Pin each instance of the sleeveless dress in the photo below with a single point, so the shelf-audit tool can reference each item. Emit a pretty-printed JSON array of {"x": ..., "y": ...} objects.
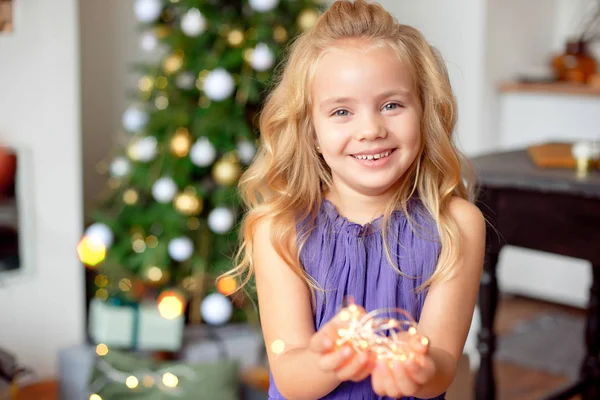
[{"x": 348, "y": 259}]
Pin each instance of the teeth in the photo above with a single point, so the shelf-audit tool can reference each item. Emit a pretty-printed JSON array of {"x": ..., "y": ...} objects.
[{"x": 373, "y": 156}]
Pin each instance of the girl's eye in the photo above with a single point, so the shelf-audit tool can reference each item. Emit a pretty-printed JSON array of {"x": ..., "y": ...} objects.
[
  {"x": 391, "y": 106},
  {"x": 341, "y": 113}
]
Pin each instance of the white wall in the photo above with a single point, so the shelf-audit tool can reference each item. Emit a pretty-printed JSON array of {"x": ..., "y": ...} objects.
[
  {"x": 42, "y": 311},
  {"x": 511, "y": 51},
  {"x": 107, "y": 54}
]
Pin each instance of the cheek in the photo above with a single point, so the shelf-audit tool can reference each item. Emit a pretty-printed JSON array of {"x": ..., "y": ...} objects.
[
  {"x": 412, "y": 136},
  {"x": 334, "y": 146},
  {"x": 332, "y": 140}
]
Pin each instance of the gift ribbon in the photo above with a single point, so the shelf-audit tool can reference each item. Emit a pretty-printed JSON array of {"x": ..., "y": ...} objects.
[{"x": 119, "y": 302}]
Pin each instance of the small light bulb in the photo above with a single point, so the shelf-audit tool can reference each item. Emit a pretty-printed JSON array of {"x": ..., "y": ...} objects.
[
  {"x": 102, "y": 349},
  {"x": 170, "y": 380},
  {"x": 132, "y": 382}
]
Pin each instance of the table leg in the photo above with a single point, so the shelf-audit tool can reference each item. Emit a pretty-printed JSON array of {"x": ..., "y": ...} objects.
[
  {"x": 591, "y": 362},
  {"x": 485, "y": 386}
]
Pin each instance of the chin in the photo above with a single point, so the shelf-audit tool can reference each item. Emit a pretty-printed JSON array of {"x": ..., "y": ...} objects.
[{"x": 374, "y": 190}]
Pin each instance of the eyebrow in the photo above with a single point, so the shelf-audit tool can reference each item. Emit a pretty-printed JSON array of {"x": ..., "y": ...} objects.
[{"x": 340, "y": 100}]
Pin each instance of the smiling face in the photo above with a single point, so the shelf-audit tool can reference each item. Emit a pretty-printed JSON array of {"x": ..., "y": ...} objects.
[{"x": 366, "y": 117}]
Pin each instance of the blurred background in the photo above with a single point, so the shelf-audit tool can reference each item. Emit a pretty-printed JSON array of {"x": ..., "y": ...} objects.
[{"x": 125, "y": 125}]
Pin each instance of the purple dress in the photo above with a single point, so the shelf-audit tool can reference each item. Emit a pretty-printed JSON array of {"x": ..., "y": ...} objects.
[{"x": 348, "y": 259}]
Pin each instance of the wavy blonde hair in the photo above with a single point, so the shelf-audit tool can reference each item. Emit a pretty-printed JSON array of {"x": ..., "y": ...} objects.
[{"x": 287, "y": 179}]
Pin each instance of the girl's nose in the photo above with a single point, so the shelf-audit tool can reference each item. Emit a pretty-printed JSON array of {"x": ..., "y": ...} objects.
[{"x": 371, "y": 127}]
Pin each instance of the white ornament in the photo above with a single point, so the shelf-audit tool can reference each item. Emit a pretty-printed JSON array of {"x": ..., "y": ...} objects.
[
  {"x": 262, "y": 58},
  {"x": 218, "y": 85},
  {"x": 119, "y": 167},
  {"x": 99, "y": 233},
  {"x": 185, "y": 80},
  {"x": 246, "y": 151},
  {"x": 263, "y": 5},
  {"x": 203, "y": 153},
  {"x": 216, "y": 309},
  {"x": 147, "y": 11},
  {"x": 143, "y": 149},
  {"x": 134, "y": 119},
  {"x": 193, "y": 23},
  {"x": 221, "y": 220},
  {"x": 148, "y": 41},
  {"x": 164, "y": 190},
  {"x": 181, "y": 249}
]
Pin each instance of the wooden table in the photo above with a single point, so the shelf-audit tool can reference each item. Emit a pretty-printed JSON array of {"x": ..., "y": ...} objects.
[{"x": 541, "y": 209}]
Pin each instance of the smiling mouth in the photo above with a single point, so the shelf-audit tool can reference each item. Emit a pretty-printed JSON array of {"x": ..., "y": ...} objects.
[{"x": 373, "y": 156}]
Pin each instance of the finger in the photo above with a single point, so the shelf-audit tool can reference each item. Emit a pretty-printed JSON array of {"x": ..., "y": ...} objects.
[
  {"x": 335, "y": 359},
  {"x": 355, "y": 368},
  {"x": 377, "y": 380},
  {"x": 419, "y": 344},
  {"x": 382, "y": 381},
  {"x": 420, "y": 369},
  {"x": 403, "y": 380},
  {"x": 364, "y": 374},
  {"x": 392, "y": 388}
]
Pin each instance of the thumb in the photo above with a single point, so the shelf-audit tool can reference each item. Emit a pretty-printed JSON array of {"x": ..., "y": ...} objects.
[{"x": 321, "y": 342}]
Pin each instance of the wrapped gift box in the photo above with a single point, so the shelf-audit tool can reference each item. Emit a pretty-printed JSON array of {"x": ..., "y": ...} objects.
[{"x": 134, "y": 327}]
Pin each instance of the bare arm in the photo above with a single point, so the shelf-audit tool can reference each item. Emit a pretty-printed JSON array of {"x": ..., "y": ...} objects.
[
  {"x": 448, "y": 308},
  {"x": 286, "y": 318},
  {"x": 445, "y": 319}
]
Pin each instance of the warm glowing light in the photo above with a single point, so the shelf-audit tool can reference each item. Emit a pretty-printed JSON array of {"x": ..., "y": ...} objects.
[
  {"x": 170, "y": 304},
  {"x": 278, "y": 346},
  {"x": 102, "y": 294},
  {"x": 91, "y": 252},
  {"x": 148, "y": 381},
  {"x": 125, "y": 285},
  {"x": 181, "y": 142},
  {"x": 155, "y": 274},
  {"x": 132, "y": 382},
  {"x": 227, "y": 285},
  {"x": 101, "y": 280},
  {"x": 170, "y": 380},
  {"x": 102, "y": 349}
]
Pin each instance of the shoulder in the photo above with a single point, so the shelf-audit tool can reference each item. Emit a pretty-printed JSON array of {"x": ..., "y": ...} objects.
[
  {"x": 467, "y": 216},
  {"x": 471, "y": 226},
  {"x": 273, "y": 238},
  {"x": 268, "y": 226},
  {"x": 262, "y": 229}
]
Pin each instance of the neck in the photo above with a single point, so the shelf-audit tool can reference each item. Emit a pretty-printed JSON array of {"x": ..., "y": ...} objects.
[{"x": 359, "y": 207}]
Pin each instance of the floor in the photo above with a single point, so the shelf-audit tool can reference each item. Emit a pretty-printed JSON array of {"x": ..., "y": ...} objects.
[{"x": 514, "y": 382}]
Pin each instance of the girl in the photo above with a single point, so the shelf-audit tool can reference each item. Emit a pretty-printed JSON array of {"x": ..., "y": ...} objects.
[{"x": 357, "y": 191}]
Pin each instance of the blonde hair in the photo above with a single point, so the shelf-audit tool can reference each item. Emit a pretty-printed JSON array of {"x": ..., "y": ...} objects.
[{"x": 288, "y": 177}]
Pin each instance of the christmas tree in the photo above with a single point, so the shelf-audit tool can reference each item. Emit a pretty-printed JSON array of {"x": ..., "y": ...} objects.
[{"x": 168, "y": 224}]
